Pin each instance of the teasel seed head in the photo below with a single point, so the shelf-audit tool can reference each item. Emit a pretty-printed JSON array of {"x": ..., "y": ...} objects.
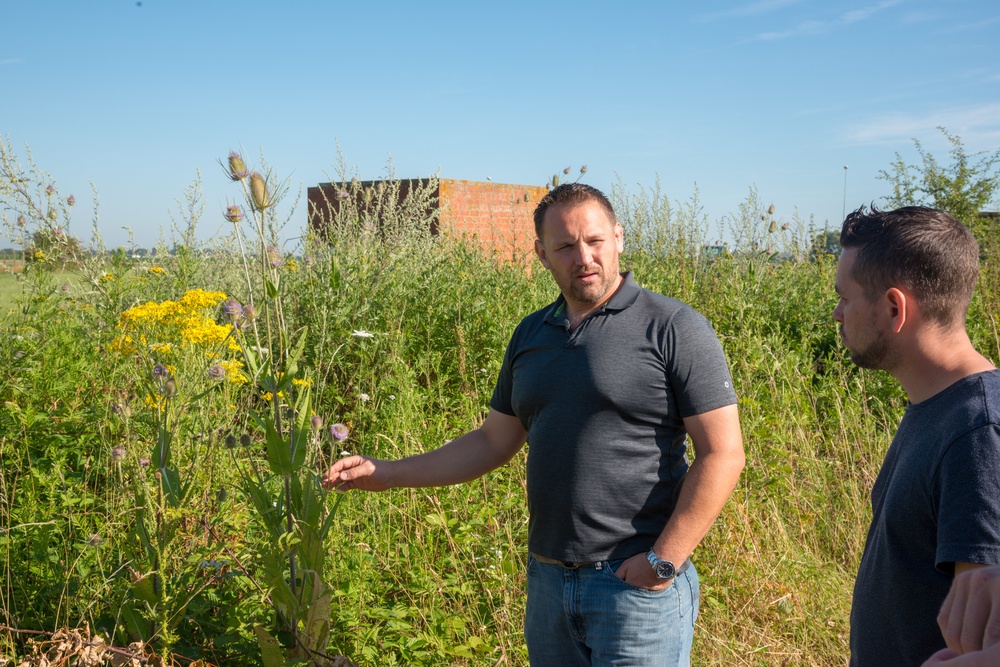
[
  {"x": 234, "y": 213},
  {"x": 237, "y": 168},
  {"x": 772, "y": 228},
  {"x": 770, "y": 210},
  {"x": 258, "y": 192}
]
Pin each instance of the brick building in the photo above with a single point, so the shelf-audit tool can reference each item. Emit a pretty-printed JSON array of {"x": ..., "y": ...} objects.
[{"x": 496, "y": 215}]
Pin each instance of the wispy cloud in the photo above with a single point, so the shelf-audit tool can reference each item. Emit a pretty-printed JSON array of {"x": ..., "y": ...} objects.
[
  {"x": 751, "y": 9},
  {"x": 9, "y": 61},
  {"x": 816, "y": 27},
  {"x": 979, "y": 126}
]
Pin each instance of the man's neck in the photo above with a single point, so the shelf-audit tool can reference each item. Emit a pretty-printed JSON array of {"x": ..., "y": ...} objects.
[{"x": 937, "y": 362}]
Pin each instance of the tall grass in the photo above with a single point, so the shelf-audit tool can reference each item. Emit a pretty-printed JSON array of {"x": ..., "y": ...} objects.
[{"x": 406, "y": 333}]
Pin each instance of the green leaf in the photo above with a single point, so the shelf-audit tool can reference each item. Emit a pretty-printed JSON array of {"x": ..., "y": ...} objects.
[
  {"x": 270, "y": 649},
  {"x": 336, "y": 279},
  {"x": 279, "y": 458},
  {"x": 272, "y": 289}
]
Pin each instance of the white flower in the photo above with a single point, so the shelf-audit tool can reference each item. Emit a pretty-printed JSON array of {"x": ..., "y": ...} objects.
[
  {"x": 360, "y": 333},
  {"x": 364, "y": 397},
  {"x": 345, "y": 453},
  {"x": 392, "y": 397}
]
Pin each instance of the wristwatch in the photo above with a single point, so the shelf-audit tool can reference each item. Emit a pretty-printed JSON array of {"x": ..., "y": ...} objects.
[{"x": 664, "y": 569}]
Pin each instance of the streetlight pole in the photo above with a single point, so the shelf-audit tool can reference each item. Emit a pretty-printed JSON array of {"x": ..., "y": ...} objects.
[{"x": 843, "y": 211}]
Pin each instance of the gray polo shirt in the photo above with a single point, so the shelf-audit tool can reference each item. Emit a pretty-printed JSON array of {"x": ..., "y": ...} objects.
[{"x": 604, "y": 407}]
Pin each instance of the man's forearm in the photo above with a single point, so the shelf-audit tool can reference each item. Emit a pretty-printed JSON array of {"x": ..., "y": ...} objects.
[
  {"x": 707, "y": 486},
  {"x": 461, "y": 460}
]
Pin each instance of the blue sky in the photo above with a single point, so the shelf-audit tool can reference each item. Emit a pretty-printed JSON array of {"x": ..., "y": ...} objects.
[{"x": 773, "y": 94}]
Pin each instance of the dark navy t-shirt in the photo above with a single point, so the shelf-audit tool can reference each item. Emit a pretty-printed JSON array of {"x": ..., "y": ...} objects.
[
  {"x": 603, "y": 406},
  {"x": 936, "y": 502}
]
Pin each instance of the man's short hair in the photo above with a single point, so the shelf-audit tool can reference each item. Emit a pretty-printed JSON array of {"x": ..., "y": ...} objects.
[
  {"x": 570, "y": 194},
  {"x": 925, "y": 250}
]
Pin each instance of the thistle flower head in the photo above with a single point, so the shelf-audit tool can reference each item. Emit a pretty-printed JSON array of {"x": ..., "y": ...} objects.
[
  {"x": 230, "y": 441},
  {"x": 170, "y": 388},
  {"x": 49, "y": 190},
  {"x": 784, "y": 227},
  {"x": 273, "y": 256},
  {"x": 144, "y": 462},
  {"x": 555, "y": 180},
  {"x": 117, "y": 453},
  {"x": 258, "y": 192},
  {"x": 566, "y": 171},
  {"x": 234, "y": 213},
  {"x": 237, "y": 168},
  {"x": 338, "y": 432},
  {"x": 70, "y": 200},
  {"x": 232, "y": 309},
  {"x": 245, "y": 439},
  {"x": 249, "y": 313},
  {"x": 772, "y": 228},
  {"x": 317, "y": 422},
  {"x": 52, "y": 214},
  {"x": 583, "y": 169},
  {"x": 160, "y": 371},
  {"x": 217, "y": 371}
]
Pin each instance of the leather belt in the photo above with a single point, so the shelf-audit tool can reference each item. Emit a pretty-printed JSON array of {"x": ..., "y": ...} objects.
[{"x": 575, "y": 565}]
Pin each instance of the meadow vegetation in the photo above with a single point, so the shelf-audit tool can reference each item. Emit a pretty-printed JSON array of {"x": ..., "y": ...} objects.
[{"x": 163, "y": 423}]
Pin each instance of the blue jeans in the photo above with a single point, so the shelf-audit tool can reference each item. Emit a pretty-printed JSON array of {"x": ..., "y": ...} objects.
[{"x": 589, "y": 617}]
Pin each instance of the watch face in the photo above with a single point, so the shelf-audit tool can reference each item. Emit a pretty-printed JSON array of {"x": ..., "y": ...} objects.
[{"x": 664, "y": 570}]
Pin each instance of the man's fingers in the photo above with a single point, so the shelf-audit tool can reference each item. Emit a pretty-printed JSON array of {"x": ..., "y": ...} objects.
[{"x": 953, "y": 615}]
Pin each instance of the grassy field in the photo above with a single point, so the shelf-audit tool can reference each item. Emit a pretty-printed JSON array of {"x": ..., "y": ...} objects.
[{"x": 159, "y": 467}]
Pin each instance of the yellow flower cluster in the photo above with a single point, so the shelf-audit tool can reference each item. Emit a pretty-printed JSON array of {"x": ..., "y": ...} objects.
[
  {"x": 159, "y": 325},
  {"x": 156, "y": 271}
]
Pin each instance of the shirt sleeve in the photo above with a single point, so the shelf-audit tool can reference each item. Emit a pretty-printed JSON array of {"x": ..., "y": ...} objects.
[
  {"x": 696, "y": 365},
  {"x": 969, "y": 500}
]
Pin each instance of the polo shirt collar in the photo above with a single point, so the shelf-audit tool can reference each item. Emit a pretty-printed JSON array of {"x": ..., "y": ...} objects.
[{"x": 624, "y": 296}]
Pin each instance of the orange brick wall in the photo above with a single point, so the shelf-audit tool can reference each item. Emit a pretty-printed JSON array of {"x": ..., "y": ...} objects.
[{"x": 496, "y": 215}]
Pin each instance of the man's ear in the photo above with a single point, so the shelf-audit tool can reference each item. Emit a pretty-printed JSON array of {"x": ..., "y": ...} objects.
[
  {"x": 540, "y": 251},
  {"x": 899, "y": 307},
  {"x": 619, "y": 237}
]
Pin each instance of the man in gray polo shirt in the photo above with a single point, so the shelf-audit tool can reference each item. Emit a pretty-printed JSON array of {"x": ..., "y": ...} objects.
[{"x": 605, "y": 383}]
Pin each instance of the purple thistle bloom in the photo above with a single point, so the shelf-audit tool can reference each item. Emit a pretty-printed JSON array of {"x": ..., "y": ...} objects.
[
  {"x": 232, "y": 309},
  {"x": 117, "y": 453},
  {"x": 338, "y": 432},
  {"x": 70, "y": 200},
  {"x": 273, "y": 256},
  {"x": 49, "y": 189},
  {"x": 144, "y": 462},
  {"x": 217, "y": 371},
  {"x": 237, "y": 168},
  {"x": 234, "y": 213},
  {"x": 160, "y": 371}
]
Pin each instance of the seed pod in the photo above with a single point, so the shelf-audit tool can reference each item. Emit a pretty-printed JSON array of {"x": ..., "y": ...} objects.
[
  {"x": 170, "y": 388},
  {"x": 237, "y": 168},
  {"x": 772, "y": 228},
  {"x": 566, "y": 171},
  {"x": 230, "y": 441},
  {"x": 245, "y": 439},
  {"x": 258, "y": 192},
  {"x": 770, "y": 210}
]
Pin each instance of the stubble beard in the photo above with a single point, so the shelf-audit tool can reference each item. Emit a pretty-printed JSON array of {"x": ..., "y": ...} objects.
[{"x": 877, "y": 355}]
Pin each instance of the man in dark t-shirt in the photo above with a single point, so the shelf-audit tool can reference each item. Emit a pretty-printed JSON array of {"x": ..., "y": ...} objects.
[
  {"x": 905, "y": 280},
  {"x": 604, "y": 384}
]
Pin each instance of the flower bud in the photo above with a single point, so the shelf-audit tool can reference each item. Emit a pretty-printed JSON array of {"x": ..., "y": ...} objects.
[
  {"x": 772, "y": 228},
  {"x": 170, "y": 388},
  {"x": 249, "y": 313},
  {"x": 159, "y": 370},
  {"x": 230, "y": 441},
  {"x": 21, "y": 222},
  {"x": 566, "y": 171},
  {"x": 144, "y": 462},
  {"x": 273, "y": 256},
  {"x": 117, "y": 453},
  {"x": 49, "y": 190},
  {"x": 70, "y": 200},
  {"x": 770, "y": 210},
  {"x": 237, "y": 168},
  {"x": 258, "y": 192},
  {"x": 216, "y": 372},
  {"x": 245, "y": 439},
  {"x": 784, "y": 227},
  {"x": 232, "y": 309},
  {"x": 234, "y": 213},
  {"x": 555, "y": 180},
  {"x": 221, "y": 495},
  {"x": 317, "y": 422},
  {"x": 52, "y": 214},
  {"x": 583, "y": 169}
]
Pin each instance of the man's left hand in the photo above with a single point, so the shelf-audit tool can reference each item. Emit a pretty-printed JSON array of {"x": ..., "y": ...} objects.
[{"x": 638, "y": 572}]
